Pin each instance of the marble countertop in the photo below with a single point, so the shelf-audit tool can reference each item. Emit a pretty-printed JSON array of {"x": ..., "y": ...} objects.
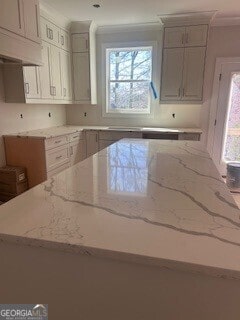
[
  {"x": 145, "y": 201},
  {"x": 67, "y": 129}
]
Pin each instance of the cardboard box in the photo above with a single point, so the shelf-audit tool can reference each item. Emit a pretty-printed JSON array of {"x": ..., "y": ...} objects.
[
  {"x": 9, "y": 174},
  {"x": 14, "y": 188}
]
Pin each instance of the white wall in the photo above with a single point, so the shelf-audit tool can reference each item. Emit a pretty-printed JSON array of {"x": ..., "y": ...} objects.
[
  {"x": 34, "y": 117},
  {"x": 185, "y": 115}
]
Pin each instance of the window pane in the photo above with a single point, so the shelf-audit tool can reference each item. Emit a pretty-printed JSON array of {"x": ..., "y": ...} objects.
[
  {"x": 129, "y": 96},
  {"x": 130, "y": 64}
]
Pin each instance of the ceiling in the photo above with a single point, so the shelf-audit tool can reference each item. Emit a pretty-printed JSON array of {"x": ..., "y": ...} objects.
[{"x": 138, "y": 11}]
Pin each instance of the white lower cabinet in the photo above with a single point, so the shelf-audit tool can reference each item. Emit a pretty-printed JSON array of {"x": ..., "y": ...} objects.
[
  {"x": 57, "y": 157},
  {"x": 92, "y": 142}
]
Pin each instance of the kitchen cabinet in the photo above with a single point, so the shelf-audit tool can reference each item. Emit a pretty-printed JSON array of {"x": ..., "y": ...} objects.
[
  {"x": 91, "y": 142},
  {"x": 50, "y": 32},
  {"x": 183, "y": 63},
  {"x": 174, "y": 37},
  {"x": 84, "y": 62},
  {"x": 45, "y": 72},
  {"x": 77, "y": 151},
  {"x": 189, "y": 36},
  {"x": 66, "y": 75},
  {"x": 55, "y": 72},
  {"x": 172, "y": 73},
  {"x": 32, "y": 82},
  {"x": 81, "y": 77},
  {"x": 32, "y": 20},
  {"x": 11, "y": 16},
  {"x": 65, "y": 40},
  {"x": 194, "y": 60}
]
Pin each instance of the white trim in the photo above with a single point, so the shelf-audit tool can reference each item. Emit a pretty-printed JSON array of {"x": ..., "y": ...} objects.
[
  {"x": 131, "y": 44},
  {"x": 129, "y": 28},
  {"x": 53, "y": 15},
  {"x": 187, "y": 18},
  {"x": 214, "y": 99},
  {"x": 225, "y": 21}
]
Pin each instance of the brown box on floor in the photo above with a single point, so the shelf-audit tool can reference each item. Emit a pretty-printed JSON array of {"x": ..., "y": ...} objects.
[{"x": 13, "y": 181}]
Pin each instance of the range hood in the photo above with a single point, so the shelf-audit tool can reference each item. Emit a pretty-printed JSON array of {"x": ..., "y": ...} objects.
[{"x": 19, "y": 50}]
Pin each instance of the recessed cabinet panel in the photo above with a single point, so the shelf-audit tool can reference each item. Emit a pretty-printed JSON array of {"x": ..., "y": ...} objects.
[
  {"x": 66, "y": 75},
  {"x": 32, "y": 82},
  {"x": 56, "y": 72},
  {"x": 174, "y": 37},
  {"x": 45, "y": 76},
  {"x": 80, "y": 42},
  {"x": 196, "y": 36},
  {"x": 11, "y": 16},
  {"x": 50, "y": 32},
  {"x": 172, "y": 72},
  {"x": 81, "y": 77},
  {"x": 194, "y": 61},
  {"x": 31, "y": 20}
]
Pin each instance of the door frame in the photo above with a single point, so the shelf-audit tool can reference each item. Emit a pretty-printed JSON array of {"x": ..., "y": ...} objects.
[{"x": 214, "y": 99}]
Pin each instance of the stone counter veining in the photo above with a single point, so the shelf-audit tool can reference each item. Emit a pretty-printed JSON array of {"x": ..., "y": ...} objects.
[
  {"x": 145, "y": 201},
  {"x": 68, "y": 129}
]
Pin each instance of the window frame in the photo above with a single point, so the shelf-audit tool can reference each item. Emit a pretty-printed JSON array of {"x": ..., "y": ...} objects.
[{"x": 105, "y": 66}]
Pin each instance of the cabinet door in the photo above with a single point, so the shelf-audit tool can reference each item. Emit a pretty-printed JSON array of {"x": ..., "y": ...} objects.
[
  {"x": 174, "y": 37},
  {"x": 196, "y": 36},
  {"x": 45, "y": 72},
  {"x": 55, "y": 67},
  {"x": 80, "y": 42},
  {"x": 66, "y": 75},
  {"x": 50, "y": 32},
  {"x": 194, "y": 61},
  {"x": 31, "y": 20},
  {"x": 32, "y": 82},
  {"x": 77, "y": 152},
  {"x": 172, "y": 72},
  {"x": 65, "y": 40},
  {"x": 11, "y": 16},
  {"x": 92, "y": 142},
  {"x": 81, "y": 75}
]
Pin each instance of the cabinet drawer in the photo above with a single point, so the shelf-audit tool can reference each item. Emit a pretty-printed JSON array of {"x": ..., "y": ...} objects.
[
  {"x": 76, "y": 136},
  {"x": 55, "y": 142},
  {"x": 57, "y": 157},
  {"x": 117, "y": 135},
  {"x": 57, "y": 170}
]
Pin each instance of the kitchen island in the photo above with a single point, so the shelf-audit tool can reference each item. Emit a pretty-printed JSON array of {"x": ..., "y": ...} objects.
[{"x": 144, "y": 229}]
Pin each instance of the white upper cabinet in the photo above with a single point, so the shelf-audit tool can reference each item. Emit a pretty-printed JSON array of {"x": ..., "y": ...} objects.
[
  {"x": 50, "y": 32},
  {"x": 196, "y": 36},
  {"x": 174, "y": 37},
  {"x": 32, "y": 82},
  {"x": 55, "y": 67},
  {"x": 66, "y": 75},
  {"x": 172, "y": 72},
  {"x": 45, "y": 72},
  {"x": 183, "y": 63},
  {"x": 81, "y": 77},
  {"x": 32, "y": 20},
  {"x": 190, "y": 36},
  {"x": 65, "y": 40},
  {"x": 194, "y": 60},
  {"x": 80, "y": 42},
  {"x": 11, "y": 16}
]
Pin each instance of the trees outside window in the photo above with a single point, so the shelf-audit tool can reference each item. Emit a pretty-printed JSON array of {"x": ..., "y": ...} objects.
[{"x": 128, "y": 76}]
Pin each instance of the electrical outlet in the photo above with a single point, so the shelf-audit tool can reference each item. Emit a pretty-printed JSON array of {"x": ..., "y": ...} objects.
[
  {"x": 21, "y": 116},
  {"x": 173, "y": 115},
  {"x": 85, "y": 114},
  {"x": 49, "y": 114}
]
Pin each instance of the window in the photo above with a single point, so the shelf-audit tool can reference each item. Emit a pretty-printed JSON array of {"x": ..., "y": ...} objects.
[{"x": 128, "y": 77}]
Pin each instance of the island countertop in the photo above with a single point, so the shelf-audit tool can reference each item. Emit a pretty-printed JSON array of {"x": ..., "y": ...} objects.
[{"x": 143, "y": 201}]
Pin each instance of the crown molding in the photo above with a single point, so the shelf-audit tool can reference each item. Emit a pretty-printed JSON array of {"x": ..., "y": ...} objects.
[
  {"x": 53, "y": 15},
  {"x": 129, "y": 28},
  {"x": 225, "y": 21},
  {"x": 187, "y": 18}
]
